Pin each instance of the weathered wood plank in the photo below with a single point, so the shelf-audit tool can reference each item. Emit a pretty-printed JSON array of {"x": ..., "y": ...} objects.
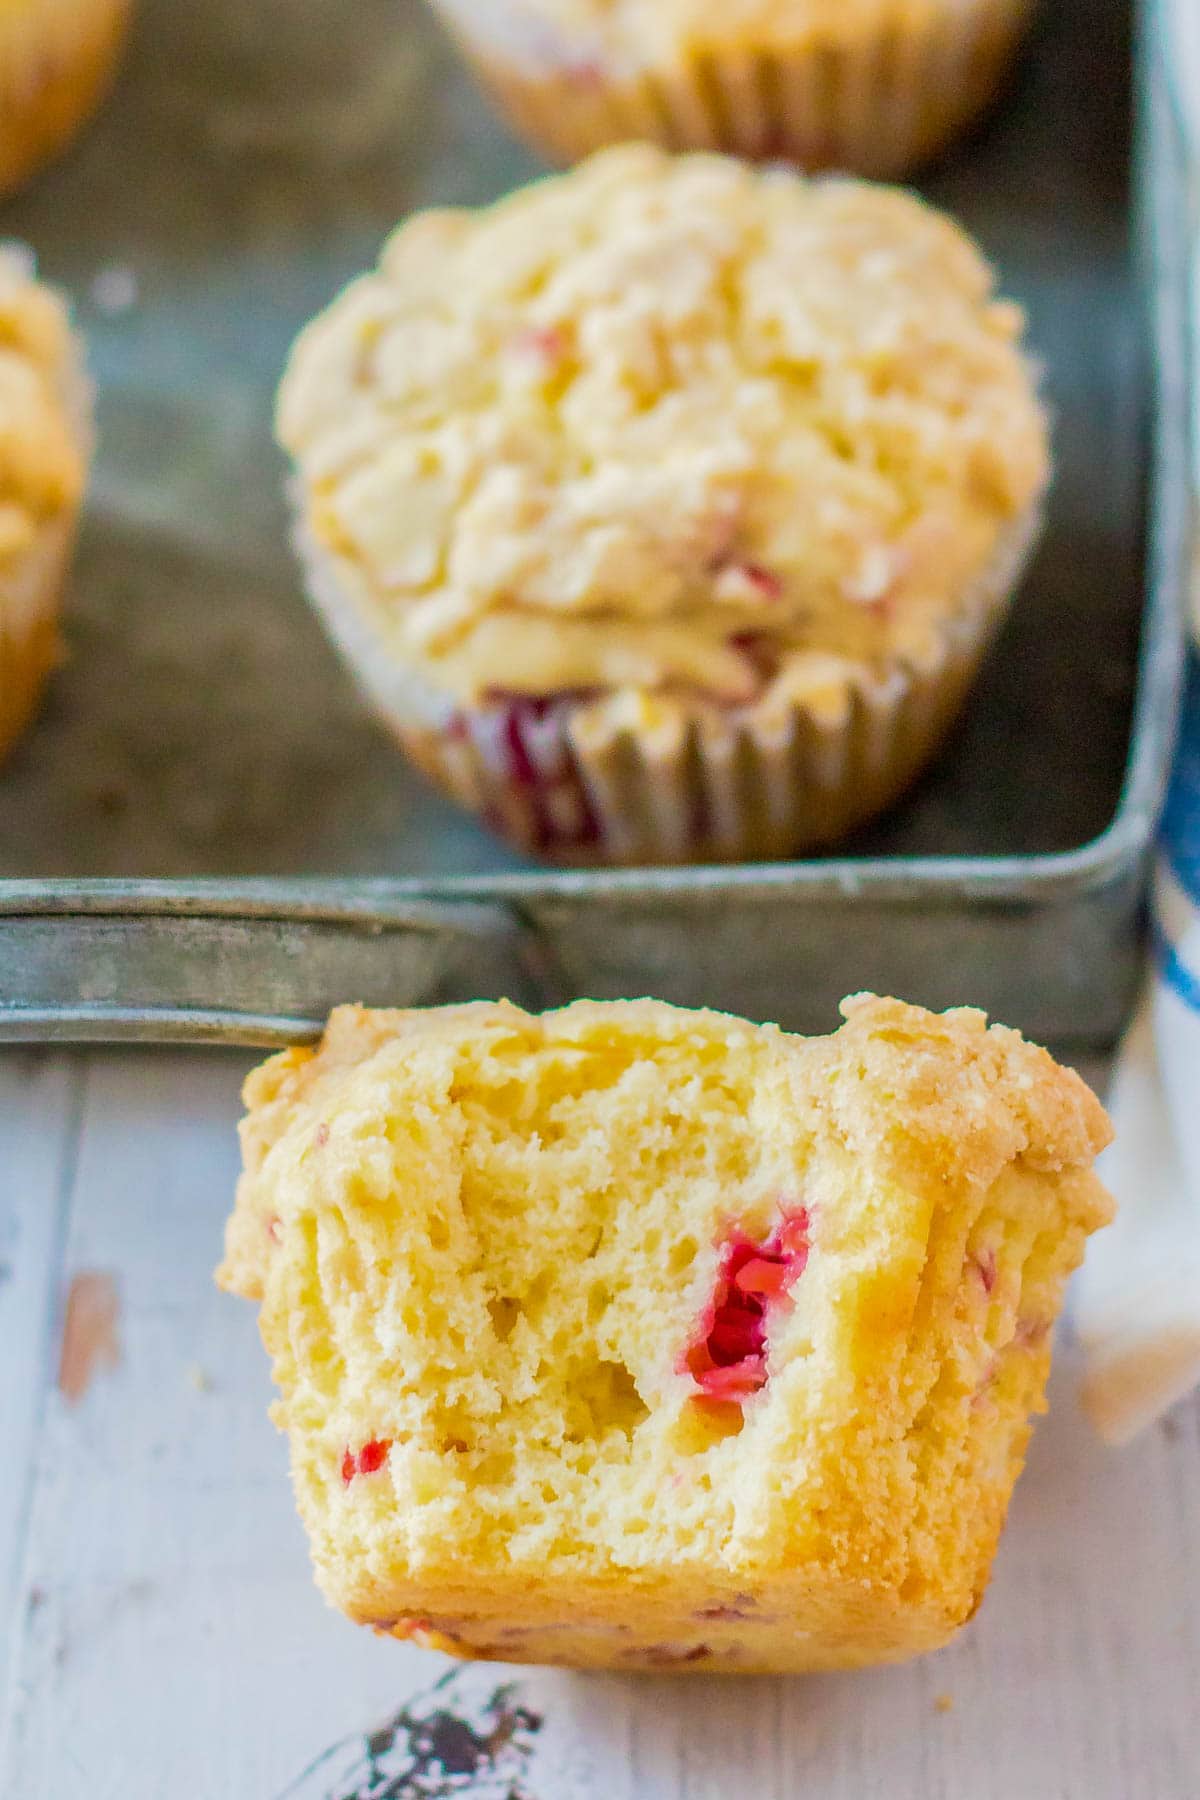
[{"x": 41, "y": 1098}]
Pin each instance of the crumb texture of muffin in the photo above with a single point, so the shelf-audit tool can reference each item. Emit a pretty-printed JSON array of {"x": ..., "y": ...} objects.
[
  {"x": 44, "y": 447},
  {"x": 57, "y": 58},
  {"x": 686, "y": 452},
  {"x": 873, "y": 86},
  {"x": 638, "y": 1337}
]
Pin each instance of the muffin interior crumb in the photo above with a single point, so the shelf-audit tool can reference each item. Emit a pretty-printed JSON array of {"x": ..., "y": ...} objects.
[
  {"x": 530, "y": 1300},
  {"x": 625, "y": 1300}
]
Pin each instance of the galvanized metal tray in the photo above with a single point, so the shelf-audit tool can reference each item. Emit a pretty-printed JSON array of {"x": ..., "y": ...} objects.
[{"x": 206, "y": 837}]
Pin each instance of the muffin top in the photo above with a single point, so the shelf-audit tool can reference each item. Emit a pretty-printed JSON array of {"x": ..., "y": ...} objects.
[
  {"x": 667, "y": 423},
  {"x": 942, "y": 1098},
  {"x": 41, "y": 452}
]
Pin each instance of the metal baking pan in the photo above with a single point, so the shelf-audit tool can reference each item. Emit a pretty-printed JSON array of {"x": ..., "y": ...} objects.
[{"x": 206, "y": 837}]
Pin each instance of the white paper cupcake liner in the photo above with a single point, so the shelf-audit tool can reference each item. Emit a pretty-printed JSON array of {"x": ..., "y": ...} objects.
[
  {"x": 879, "y": 104},
  {"x": 579, "y": 781}
]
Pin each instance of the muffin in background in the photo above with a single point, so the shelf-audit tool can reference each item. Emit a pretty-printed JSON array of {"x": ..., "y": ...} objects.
[
  {"x": 666, "y": 508},
  {"x": 875, "y": 87},
  {"x": 44, "y": 446},
  {"x": 57, "y": 58},
  {"x": 634, "y": 1337}
]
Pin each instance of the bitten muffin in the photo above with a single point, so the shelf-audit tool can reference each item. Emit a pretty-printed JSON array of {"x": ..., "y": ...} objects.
[
  {"x": 666, "y": 508},
  {"x": 57, "y": 58},
  {"x": 44, "y": 446},
  {"x": 872, "y": 86},
  {"x": 636, "y": 1337}
]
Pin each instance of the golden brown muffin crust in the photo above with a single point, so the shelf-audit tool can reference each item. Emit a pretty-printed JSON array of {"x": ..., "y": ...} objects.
[{"x": 493, "y": 1251}]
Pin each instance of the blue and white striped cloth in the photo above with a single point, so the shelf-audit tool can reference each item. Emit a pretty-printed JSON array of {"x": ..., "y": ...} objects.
[
  {"x": 1137, "y": 1310},
  {"x": 1177, "y": 884},
  {"x": 1137, "y": 1304}
]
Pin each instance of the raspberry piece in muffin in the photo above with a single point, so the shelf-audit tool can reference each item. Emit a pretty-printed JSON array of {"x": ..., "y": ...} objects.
[
  {"x": 635, "y": 1337},
  {"x": 727, "y": 1358},
  {"x": 367, "y": 1461}
]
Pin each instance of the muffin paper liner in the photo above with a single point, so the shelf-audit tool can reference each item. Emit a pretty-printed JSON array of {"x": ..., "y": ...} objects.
[
  {"x": 879, "y": 105},
  {"x": 56, "y": 60},
  {"x": 579, "y": 781}
]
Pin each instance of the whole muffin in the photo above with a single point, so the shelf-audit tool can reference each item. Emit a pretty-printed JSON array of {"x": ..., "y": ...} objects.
[
  {"x": 873, "y": 86},
  {"x": 636, "y": 1337},
  {"x": 44, "y": 446},
  {"x": 57, "y": 58},
  {"x": 666, "y": 507}
]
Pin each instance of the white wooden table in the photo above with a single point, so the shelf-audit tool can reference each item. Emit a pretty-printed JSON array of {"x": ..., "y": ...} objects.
[{"x": 167, "y": 1640}]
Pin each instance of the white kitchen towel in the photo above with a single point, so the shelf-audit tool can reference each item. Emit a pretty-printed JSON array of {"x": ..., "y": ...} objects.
[{"x": 1137, "y": 1304}]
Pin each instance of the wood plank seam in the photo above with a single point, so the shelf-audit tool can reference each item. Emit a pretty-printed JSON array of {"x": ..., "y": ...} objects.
[{"x": 43, "y": 1357}]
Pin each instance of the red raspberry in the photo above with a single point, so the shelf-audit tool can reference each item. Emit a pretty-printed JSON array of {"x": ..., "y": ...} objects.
[
  {"x": 762, "y": 580},
  {"x": 985, "y": 1264},
  {"x": 368, "y": 1461},
  {"x": 727, "y": 1359}
]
